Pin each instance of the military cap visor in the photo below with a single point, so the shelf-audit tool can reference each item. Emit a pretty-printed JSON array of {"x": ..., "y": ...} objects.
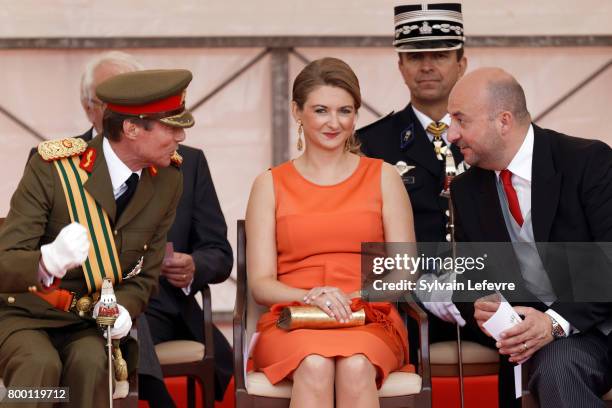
[
  {"x": 152, "y": 94},
  {"x": 428, "y": 27}
]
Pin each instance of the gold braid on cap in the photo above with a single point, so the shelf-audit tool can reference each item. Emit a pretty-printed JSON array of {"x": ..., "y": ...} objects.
[{"x": 51, "y": 150}]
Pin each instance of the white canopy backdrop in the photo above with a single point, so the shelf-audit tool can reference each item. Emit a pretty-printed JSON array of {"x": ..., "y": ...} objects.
[{"x": 44, "y": 47}]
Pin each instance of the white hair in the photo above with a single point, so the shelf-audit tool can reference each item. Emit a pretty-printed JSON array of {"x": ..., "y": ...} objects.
[{"x": 122, "y": 60}]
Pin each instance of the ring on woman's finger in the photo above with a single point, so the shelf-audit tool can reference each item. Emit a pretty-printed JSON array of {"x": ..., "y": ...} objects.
[
  {"x": 328, "y": 303},
  {"x": 525, "y": 347}
]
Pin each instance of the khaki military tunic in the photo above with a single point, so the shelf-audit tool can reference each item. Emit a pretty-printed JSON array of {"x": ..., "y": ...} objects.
[{"x": 39, "y": 211}]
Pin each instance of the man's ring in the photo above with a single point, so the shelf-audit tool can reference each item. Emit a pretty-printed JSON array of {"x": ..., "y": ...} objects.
[
  {"x": 525, "y": 347},
  {"x": 328, "y": 303}
]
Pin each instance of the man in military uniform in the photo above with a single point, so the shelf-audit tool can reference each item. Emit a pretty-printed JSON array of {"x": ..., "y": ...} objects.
[
  {"x": 429, "y": 40},
  {"x": 201, "y": 253},
  {"x": 83, "y": 212}
]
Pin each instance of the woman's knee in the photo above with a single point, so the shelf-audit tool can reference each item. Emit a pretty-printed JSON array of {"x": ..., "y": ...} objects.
[
  {"x": 355, "y": 372},
  {"x": 316, "y": 371}
]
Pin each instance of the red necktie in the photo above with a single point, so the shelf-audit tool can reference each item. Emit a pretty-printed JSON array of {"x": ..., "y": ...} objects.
[{"x": 513, "y": 202}]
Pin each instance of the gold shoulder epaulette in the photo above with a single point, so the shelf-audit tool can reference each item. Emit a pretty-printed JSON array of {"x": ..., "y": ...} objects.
[
  {"x": 176, "y": 159},
  {"x": 60, "y": 148}
]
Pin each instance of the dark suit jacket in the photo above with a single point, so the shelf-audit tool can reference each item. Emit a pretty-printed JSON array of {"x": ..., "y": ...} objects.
[
  {"x": 571, "y": 201},
  {"x": 199, "y": 230},
  {"x": 383, "y": 139}
]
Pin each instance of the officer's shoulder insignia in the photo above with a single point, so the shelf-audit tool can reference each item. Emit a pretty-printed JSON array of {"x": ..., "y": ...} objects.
[
  {"x": 375, "y": 123},
  {"x": 407, "y": 137},
  {"x": 51, "y": 150},
  {"x": 176, "y": 160}
]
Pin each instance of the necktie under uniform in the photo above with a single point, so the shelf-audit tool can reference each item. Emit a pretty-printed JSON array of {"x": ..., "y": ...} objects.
[{"x": 123, "y": 200}]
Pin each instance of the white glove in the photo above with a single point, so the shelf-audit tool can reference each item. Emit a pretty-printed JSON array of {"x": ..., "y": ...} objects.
[
  {"x": 68, "y": 251},
  {"x": 439, "y": 301},
  {"x": 446, "y": 311},
  {"x": 122, "y": 325}
]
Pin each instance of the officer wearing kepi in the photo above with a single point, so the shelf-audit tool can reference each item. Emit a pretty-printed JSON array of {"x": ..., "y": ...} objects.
[
  {"x": 429, "y": 40},
  {"x": 83, "y": 212}
]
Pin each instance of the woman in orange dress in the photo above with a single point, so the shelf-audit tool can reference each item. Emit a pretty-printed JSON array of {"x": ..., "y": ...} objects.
[{"x": 305, "y": 222}]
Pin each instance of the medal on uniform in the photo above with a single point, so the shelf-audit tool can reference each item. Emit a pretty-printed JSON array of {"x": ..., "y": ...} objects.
[
  {"x": 439, "y": 149},
  {"x": 136, "y": 269},
  {"x": 403, "y": 168}
]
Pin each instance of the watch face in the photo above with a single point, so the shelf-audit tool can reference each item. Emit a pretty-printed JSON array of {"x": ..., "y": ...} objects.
[{"x": 557, "y": 330}]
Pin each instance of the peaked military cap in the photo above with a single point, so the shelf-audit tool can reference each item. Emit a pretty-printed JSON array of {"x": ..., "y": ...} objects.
[
  {"x": 152, "y": 94},
  {"x": 428, "y": 27}
]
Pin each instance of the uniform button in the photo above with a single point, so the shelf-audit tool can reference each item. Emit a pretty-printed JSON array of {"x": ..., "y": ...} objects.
[
  {"x": 10, "y": 299},
  {"x": 115, "y": 232},
  {"x": 145, "y": 247},
  {"x": 32, "y": 288}
]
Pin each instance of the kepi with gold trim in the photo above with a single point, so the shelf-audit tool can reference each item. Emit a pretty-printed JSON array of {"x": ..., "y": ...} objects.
[
  {"x": 152, "y": 94},
  {"x": 428, "y": 27}
]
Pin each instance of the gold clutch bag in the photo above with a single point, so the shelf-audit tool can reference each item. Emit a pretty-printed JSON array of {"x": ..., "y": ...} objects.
[{"x": 311, "y": 317}]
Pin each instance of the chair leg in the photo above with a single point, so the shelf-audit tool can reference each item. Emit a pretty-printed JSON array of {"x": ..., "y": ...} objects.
[
  {"x": 208, "y": 391},
  {"x": 191, "y": 399}
]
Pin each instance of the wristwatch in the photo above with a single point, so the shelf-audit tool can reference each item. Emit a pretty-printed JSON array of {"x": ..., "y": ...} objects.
[{"x": 557, "y": 330}]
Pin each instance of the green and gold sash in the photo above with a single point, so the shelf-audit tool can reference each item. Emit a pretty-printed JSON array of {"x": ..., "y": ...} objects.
[{"x": 102, "y": 261}]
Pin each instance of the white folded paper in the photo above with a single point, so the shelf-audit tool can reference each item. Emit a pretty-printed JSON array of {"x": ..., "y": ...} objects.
[{"x": 504, "y": 318}]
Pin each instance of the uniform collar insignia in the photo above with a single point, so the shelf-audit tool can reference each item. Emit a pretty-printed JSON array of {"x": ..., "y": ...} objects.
[
  {"x": 88, "y": 158},
  {"x": 176, "y": 160}
]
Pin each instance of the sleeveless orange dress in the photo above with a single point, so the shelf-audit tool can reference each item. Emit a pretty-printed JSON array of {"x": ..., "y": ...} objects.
[{"x": 319, "y": 231}]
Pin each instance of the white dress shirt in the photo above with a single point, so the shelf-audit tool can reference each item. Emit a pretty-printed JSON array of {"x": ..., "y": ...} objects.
[
  {"x": 118, "y": 171},
  {"x": 520, "y": 166},
  {"x": 426, "y": 121}
]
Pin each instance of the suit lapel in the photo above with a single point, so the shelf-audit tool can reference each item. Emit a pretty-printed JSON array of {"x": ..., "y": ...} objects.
[
  {"x": 545, "y": 186},
  {"x": 422, "y": 151},
  {"x": 99, "y": 183},
  {"x": 492, "y": 222},
  {"x": 142, "y": 196}
]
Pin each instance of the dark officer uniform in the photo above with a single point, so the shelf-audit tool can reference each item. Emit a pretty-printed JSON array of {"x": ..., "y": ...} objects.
[
  {"x": 40, "y": 343},
  {"x": 400, "y": 137}
]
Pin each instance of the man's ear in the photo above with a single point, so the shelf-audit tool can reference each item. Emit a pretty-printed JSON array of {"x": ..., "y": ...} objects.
[
  {"x": 130, "y": 130},
  {"x": 506, "y": 122},
  {"x": 463, "y": 63}
]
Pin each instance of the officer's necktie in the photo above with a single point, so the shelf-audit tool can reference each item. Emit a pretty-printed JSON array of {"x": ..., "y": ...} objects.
[
  {"x": 123, "y": 200},
  {"x": 513, "y": 202},
  {"x": 436, "y": 129}
]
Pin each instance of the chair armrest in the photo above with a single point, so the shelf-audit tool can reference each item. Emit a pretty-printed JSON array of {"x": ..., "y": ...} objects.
[
  {"x": 413, "y": 310},
  {"x": 209, "y": 349},
  {"x": 239, "y": 320}
]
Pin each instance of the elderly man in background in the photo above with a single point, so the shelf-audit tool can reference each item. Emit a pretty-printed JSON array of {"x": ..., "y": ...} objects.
[{"x": 530, "y": 185}]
